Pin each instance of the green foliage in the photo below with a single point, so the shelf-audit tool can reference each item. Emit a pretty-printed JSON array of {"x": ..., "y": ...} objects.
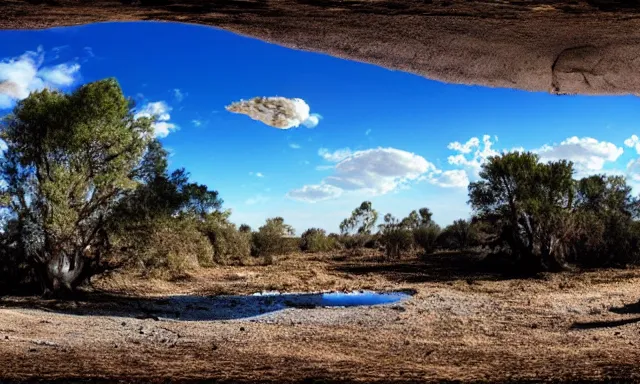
[
  {"x": 170, "y": 249},
  {"x": 417, "y": 219},
  {"x": 544, "y": 219},
  {"x": 396, "y": 236},
  {"x": 229, "y": 244},
  {"x": 244, "y": 228},
  {"x": 605, "y": 233},
  {"x": 531, "y": 201},
  {"x": 426, "y": 237},
  {"x": 316, "y": 240},
  {"x": 362, "y": 221},
  {"x": 459, "y": 235},
  {"x": 270, "y": 239},
  {"x": 69, "y": 158}
]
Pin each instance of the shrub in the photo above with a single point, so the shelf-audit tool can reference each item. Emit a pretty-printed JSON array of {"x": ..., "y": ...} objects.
[
  {"x": 229, "y": 244},
  {"x": 270, "y": 239},
  {"x": 426, "y": 237},
  {"x": 170, "y": 248},
  {"x": 316, "y": 240},
  {"x": 459, "y": 235},
  {"x": 396, "y": 240},
  {"x": 357, "y": 242}
]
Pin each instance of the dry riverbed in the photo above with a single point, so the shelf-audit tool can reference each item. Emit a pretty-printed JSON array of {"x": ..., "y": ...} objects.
[{"x": 461, "y": 324}]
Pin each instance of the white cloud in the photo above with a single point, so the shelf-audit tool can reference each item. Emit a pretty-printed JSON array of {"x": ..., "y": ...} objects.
[
  {"x": 312, "y": 121},
  {"x": 633, "y": 170},
  {"x": 373, "y": 171},
  {"x": 335, "y": 156},
  {"x": 19, "y": 76},
  {"x": 277, "y": 112},
  {"x": 315, "y": 193},
  {"x": 633, "y": 142},
  {"x": 324, "y": 167},
  {"x": 294, "y": 146},
  {"x": 588, "y": 154},
  {"x": 258, "y": 199},
  {"x": 471, "y": 155},
  {"x": 62, "y": 75},
  {"x": 160, "y": 111},
  {"x": 196, "y": 123},
  {"x": 178, "y": 95},
  {"x": 456, "y": 178},
  {"x": 473, "y": 142},
  {"x": 256, "y": 174}
]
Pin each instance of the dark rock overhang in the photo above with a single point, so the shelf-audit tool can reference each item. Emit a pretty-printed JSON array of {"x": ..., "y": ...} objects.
[{"x": 563, "y": 47}]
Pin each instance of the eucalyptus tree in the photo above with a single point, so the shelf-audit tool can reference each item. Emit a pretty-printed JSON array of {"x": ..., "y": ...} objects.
[
  {"x": 532, "y": 202},
  {"x": 362, "y": 220},
  {"x": 69, "y": 159}
]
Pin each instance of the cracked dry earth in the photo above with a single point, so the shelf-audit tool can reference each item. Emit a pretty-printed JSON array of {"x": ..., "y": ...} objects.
[{"x": 460, "y": 325}]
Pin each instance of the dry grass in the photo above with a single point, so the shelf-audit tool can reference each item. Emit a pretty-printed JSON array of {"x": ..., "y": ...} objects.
[{"x": 461, "y": 325}]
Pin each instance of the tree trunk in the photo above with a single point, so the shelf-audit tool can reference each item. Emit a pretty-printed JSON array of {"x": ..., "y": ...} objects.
[{"x": 61, "y": 274}]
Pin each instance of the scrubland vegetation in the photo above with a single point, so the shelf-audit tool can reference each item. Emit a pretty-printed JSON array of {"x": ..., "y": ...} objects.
[{"x": 86, "y": 189}]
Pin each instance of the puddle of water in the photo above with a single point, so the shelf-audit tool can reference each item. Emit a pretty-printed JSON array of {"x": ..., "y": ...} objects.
[
  {"x": 352, "y": 299},
  {"x": 239, "y": 307}
]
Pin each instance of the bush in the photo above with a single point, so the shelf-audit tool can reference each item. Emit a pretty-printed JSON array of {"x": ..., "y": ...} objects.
[
  {"x": 15, "y": 271},
  {"x": 170, "y": 248},
  {"x": 605, "y": 240},
  {"x": 271, "y": 239},
  {"x": 316, "y": 240},
  {"x": 426, "y": 237},
  {"x": 230, "y": 246},
  {"x": 357, "y": 242},
  {"x": 396, "y": 239},
  {"x": 459, "y": 235}
]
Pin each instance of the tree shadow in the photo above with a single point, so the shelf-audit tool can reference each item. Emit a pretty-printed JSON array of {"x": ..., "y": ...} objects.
[
  {"x": 194, "y": 308},
  {"x": 439, "y": 267},
  {"x": 627, "y": 309},
  {"x": 604, "y": 324}
]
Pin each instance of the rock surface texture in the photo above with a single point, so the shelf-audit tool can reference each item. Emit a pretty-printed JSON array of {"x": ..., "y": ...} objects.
[{"x": 563, "y": 47}]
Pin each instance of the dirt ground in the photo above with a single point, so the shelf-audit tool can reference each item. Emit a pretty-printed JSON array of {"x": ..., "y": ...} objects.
[
  {"x": 461, "y": 324},
  {"x": 559, "y": 46}
]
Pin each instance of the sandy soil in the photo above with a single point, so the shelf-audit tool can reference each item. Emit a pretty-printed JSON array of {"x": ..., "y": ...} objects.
[
  {"x": 559, "y": 46},
  {"x": 460, "y": 325}
]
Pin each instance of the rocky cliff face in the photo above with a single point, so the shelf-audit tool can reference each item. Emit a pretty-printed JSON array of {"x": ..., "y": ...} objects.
[{"x": 563, "y": 47}]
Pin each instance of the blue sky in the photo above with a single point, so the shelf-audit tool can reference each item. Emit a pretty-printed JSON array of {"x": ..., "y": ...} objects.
[{"x": 384, "y": 136}]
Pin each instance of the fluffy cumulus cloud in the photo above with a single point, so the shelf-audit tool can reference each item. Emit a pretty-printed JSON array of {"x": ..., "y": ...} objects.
[
  {"x": 472, "y": 154},
  {"x": 158, "y": 110},
  {"x": 315, "y": 193},
  {"x": 588, "y": 154},
  {"x": 456, "y": 178},
  {"x": 633, "y": 142},
  {"x": 373, "y": 171},
  {"x": 277, "y": 112},
  {"x": 19, "y": 76}
]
